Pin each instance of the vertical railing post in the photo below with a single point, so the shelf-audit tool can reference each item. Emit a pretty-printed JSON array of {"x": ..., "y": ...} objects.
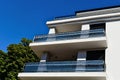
[
  {"x": 51, "y": 34},
  {"x": 81, "y": 57},
  {"x": 42, "y": 66},
  {"x": 85, "y": 31}
]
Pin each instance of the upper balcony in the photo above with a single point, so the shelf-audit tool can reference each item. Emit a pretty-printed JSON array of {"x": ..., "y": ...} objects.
[
  {"x": 87, "y": 17},
  {"x": 70, "y": 41},
  {"x": 70, "y": 35}
]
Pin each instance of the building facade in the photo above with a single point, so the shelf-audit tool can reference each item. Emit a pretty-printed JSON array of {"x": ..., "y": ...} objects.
[{"x": 80, "y": 47}]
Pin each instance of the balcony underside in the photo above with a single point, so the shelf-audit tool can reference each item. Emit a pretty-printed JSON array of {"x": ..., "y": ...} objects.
[
  {"x": 69, "y": 46},
  {"x": 63, "y": 76}
]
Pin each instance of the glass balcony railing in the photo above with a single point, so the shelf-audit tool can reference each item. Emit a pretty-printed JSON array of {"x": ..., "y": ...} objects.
[
  {"x": 66, "y": 66},
  {"x": 65, "y": 17},
  {"x": 70, "y": 35}
]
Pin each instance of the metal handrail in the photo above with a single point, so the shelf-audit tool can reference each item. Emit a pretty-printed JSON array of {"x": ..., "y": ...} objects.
[{"x": 61, "y": 63}]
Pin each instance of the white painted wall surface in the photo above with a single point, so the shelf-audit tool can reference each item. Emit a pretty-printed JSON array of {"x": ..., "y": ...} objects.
[
  {"x": 85, "y": 27},
  {"x": 52, "y": 31},
  {"x": 113, "y": 50}
]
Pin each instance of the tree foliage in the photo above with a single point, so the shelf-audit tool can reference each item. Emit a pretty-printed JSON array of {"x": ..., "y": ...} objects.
[{"x": 12, "y": 62}]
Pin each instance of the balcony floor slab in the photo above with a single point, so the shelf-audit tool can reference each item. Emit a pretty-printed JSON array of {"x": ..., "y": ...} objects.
[
  {"x": 68, "y": 45},
  {"x": 63, "y": 76}
]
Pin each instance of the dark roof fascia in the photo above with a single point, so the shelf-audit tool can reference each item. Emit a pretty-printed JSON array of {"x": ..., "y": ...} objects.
[{"x": 95, "y": 9}]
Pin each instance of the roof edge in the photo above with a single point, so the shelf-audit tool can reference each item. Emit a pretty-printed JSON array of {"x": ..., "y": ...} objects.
[{"x": 94, "y": 9}]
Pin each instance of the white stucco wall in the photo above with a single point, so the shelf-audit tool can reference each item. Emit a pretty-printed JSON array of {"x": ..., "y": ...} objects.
[
  {"x": 113, "y": 50},
  {"x": 52, "y": 31}
]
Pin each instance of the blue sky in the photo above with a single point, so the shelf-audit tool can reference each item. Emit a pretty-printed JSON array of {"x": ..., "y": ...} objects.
[{"x": 26, "y": 18}]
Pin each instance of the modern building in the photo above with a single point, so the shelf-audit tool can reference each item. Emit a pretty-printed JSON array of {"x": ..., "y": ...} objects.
[{"x": 85, "y": 46}]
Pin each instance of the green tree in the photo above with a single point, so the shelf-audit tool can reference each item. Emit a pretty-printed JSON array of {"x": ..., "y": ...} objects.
[
  {"x": 17, "y": 56},
  {"x": 3, "y": 62}
]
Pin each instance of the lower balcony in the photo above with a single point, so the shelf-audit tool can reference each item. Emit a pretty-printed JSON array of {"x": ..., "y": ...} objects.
[
  {"x": 64, "y": 70},
  {"x": 66, "y": 66}
]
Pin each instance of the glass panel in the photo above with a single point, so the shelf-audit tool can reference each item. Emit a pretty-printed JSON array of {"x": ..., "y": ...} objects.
[
  {"x": 70, "y": 35},
  {"x": 65, "y": 66}
]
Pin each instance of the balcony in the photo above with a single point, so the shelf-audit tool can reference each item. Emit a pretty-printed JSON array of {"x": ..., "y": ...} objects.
[
  {"x": 64, "y": 70},
  {"x": 70, "y": 35},
  {"x": 66, "y": 66},
  {"x": 69, "y": 42}
]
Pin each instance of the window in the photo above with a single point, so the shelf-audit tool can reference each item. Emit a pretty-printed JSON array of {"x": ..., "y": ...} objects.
[
  {"x": 96, "y": 55},
  {"x": 97, "y": 26}
]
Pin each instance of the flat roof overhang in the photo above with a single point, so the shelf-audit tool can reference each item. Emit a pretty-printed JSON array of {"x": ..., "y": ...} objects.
[
  {"x": 63, "y": 76},
  {"x": 68, "y": 45},
  {"x": 85, "y": 20}
]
